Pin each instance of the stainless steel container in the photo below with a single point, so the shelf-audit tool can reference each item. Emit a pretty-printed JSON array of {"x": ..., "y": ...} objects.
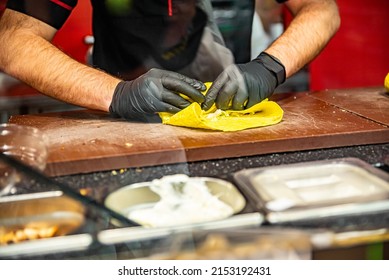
[
  {"x": 40, "y": 223},
  {"x": 327, "y": 188}
]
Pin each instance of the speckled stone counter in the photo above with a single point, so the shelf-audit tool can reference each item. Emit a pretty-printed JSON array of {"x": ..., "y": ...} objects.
[{"x": 101, "y": 183}]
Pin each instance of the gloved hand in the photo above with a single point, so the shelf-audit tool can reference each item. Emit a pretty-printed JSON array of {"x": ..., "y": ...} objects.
[
  {"x": 155, "y": 91},
  {"x": 241, "y": 86}
]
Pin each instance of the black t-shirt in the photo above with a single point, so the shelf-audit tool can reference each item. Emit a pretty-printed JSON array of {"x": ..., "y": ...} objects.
[{"x": 129, "y": 35}]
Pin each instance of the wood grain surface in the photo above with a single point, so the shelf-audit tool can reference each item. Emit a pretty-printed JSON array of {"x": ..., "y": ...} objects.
[{"x": 372, "y": 103}]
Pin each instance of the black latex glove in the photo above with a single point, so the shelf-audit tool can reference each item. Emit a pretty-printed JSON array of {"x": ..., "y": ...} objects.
[
  {"x": 155, "y": 91},
  {"x": 241, "y": 86}
]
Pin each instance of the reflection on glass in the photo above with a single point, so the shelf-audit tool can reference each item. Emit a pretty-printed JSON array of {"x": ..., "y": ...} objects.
[{"x": 24, "y": 143}]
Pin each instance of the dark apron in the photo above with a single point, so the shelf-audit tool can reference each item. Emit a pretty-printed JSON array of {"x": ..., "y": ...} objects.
[{"x": 129, "y": 40}]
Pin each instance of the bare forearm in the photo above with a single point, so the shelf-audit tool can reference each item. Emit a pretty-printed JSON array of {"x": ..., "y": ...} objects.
[
  {"x": 37, "y": 62},
  {"x": 314, "y": 25}
]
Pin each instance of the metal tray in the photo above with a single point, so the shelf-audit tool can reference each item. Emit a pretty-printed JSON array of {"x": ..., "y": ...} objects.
[
  {"x": 236, "y": 244},
  {"x": 141, "y": 196},
  {"x": 134, "y": 234},
  {"x": 41, "y": 247},
  {"x": 36, "y": 212},
  {"x": 315, "y": 189}
]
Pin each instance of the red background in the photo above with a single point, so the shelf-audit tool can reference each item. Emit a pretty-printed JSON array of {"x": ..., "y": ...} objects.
[{"x": 358, "y": 55}]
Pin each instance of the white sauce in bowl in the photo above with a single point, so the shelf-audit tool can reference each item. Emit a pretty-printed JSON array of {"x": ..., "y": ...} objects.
[{"x": 184, "y": 200}]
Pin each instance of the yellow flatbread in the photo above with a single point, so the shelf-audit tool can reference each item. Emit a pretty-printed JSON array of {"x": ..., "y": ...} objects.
[{"x": 262, "y": 114}]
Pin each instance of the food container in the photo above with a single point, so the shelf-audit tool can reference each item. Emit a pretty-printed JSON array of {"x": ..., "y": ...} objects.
[
  {"x": 315, "y": 189},
  {"x": 236, "y": 244},
  {"x": 27, "y": 220},
  {"x": 41, "y": 248},
  {"x": 177, "y": 200}
]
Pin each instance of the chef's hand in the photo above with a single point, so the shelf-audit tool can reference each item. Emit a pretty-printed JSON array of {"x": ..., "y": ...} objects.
[
  {"x": 241, "y": 86},
  {"x": 155, "y": 91}
]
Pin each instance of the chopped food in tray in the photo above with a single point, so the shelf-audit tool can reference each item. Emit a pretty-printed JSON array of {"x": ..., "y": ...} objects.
[
  {"x": 241, "y": 244},
  {"x": 27, "y": 233},
  {"x": 38, "y": 215}
]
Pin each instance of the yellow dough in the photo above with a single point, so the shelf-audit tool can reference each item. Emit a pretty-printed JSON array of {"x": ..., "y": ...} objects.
[
  {"x": 386, "y": 82},
  {"x": 262, "y": 114}
]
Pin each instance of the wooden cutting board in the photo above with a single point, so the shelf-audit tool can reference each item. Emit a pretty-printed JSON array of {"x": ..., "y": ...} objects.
[
  {"x": 88, "y": 141},
  {"x": 372, "y": 103}
]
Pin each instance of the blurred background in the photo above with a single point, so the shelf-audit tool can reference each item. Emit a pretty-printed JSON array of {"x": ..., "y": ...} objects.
[{"x": 356, "y": 57}]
